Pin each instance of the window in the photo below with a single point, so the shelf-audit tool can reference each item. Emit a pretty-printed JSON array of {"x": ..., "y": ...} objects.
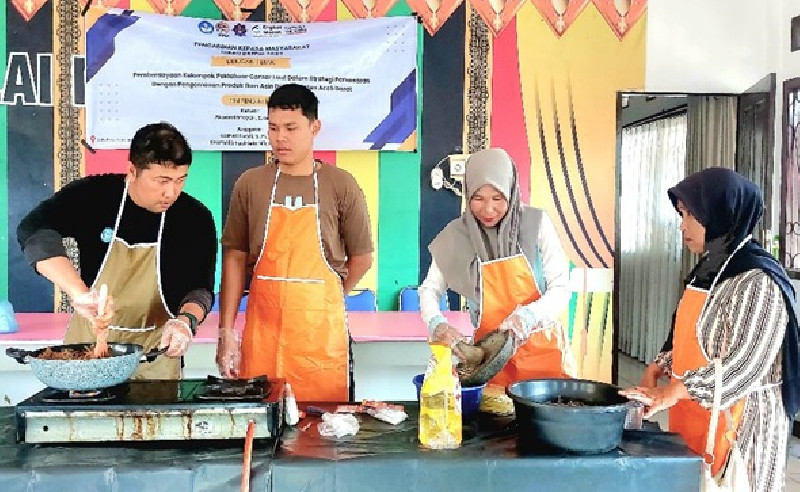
[{"x": 790, "y": 189}]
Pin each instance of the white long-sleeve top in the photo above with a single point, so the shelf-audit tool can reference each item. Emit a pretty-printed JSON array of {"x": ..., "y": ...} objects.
[{"x": 544, "y": 311}]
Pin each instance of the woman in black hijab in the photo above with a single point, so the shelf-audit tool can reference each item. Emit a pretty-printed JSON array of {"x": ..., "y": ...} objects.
[{"x": 738, "y": 307}]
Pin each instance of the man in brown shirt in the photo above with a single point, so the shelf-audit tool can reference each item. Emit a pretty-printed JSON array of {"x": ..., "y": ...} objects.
[
  {"x": 343, "y": 216},
  {"x": 296, "y": 224}
]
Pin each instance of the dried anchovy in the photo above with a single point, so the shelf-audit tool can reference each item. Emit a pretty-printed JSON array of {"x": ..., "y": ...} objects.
[
  {"x": 67, "y": 354},
  {"x": 566, "y": 402}
]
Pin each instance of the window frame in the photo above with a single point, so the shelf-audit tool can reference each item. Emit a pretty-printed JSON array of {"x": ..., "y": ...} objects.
[{"x": 790, "y": 86}]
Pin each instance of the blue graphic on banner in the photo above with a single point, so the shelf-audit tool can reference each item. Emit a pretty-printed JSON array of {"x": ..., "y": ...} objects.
[
  {"x": 100, "y": 39},
  {"x": 402, "y": 118}
]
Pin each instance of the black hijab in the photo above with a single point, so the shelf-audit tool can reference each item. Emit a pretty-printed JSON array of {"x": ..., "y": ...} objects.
[{"x": 728, "y": 205}]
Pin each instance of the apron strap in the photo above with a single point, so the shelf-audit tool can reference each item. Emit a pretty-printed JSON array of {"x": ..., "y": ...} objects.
[
  {"x": 715, "y": 409},
  {"x": 712, "y": 426},
  {"x": 719, "y": 273}
]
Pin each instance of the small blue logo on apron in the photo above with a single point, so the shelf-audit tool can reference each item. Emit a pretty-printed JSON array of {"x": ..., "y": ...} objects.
[{"x": 107, "y": 234}]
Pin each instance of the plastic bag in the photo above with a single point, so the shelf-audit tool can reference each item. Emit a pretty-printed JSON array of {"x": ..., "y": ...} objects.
[
  {"x": 338, "y": 425},
  {"x": 292, "y": 416},
  {"x": 389, "y": 415}
]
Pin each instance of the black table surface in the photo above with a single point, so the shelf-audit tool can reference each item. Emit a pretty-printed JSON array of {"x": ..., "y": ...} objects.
[{"x": 380, "y": 457}]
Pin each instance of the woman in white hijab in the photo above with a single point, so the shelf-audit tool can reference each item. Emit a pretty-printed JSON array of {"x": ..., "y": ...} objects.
[{"x": 506, "y": 259}]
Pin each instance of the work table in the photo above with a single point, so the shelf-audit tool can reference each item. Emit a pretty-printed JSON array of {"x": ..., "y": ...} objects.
[{"x": 380, "y": 457}]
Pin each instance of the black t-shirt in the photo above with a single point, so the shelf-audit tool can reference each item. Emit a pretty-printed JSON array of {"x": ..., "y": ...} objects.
[{"x": 86, "y": 210}]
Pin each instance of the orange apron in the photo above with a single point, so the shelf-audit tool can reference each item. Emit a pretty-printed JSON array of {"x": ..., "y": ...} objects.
[
  {"x": 506, "y": 283},
  {"x": 295, "y": 323},
  {"x": 687, "y": 417}
]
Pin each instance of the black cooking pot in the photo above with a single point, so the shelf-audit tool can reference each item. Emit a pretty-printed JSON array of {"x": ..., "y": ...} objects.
[{"x": 572, "y": 415}]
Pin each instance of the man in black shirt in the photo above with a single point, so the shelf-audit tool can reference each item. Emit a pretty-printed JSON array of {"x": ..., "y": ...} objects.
[{"x": 138, "y": 233}]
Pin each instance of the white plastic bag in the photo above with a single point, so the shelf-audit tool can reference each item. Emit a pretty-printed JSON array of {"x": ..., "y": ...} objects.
[
  {"x": 389, "y": 415},
  {"x": 338, "y": 425},
  {"x": 292, "y": 416}
]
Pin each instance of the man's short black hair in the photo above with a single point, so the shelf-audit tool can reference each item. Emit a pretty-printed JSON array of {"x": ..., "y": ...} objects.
[
  {"x": 159, "y": 143},
  {"x": 295, "y": 96}
]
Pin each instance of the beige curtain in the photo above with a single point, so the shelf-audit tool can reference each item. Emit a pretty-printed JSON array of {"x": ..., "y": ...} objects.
[
  {"x": 710, "y": 142},
  {"x": 652, "y": 159}
]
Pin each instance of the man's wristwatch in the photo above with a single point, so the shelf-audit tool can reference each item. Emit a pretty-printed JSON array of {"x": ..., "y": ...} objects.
[{"x": 192, "y": 321}]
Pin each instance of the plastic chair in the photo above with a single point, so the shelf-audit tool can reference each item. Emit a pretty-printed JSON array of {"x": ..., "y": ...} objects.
[
  {"x": 361, "y": 300},
  {"x": 8, "y": 322},
  {"x": 409, "y": 300}
]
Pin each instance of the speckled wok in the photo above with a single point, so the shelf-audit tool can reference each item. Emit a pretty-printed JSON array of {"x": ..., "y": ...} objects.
[{"x": 85, "y": 374}]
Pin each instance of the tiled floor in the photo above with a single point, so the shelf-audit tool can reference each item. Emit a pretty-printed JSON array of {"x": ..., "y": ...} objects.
[{"x": 630, "y": 370}]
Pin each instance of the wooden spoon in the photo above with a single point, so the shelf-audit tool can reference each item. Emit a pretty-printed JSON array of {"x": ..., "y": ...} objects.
[{"x": 101, "y": 345}]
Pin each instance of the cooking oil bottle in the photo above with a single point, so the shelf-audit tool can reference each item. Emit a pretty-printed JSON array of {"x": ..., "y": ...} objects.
[{"x": 440, "y": 402}]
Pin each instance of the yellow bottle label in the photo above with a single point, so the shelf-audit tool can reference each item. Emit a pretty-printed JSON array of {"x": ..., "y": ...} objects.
[{"x": 440, "y": 402}]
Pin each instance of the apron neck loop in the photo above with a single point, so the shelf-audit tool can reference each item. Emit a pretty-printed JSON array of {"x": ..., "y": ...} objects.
[
  {"x": 121, "y": 208},
  {"x": 277, "y": 175},
  {"x": 722, "y": 269}
]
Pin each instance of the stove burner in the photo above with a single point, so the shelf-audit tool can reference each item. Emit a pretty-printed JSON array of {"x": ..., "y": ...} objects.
[
  {"x": 83, "y": 394},
  {"x": 51, "y": 395},
  {"x": 234, "y": 389},
  {"x": 218, "y": 380}
]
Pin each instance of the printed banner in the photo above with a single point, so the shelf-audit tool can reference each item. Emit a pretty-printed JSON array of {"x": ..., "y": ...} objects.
[{"x": 212, "y": 79}]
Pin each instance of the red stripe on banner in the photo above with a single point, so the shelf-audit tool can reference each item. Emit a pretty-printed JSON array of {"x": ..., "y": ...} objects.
[
  {"x": 329, "y": 12},
  {"x": 106, "y": 161},
  {"x": 326, "y": 156},
  {"x": 508, "y": 129}
]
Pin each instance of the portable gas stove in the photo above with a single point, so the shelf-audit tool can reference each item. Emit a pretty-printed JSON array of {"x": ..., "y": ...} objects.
[{"x": 150, "y": 410}]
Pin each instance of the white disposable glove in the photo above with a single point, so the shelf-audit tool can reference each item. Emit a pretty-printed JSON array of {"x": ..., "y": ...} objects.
[
  {"x": 449, "y": 334},
  {"x": 229, "y": 352},
  {"x": 176, "y": 337},
  {"x": 86, "y": 304},
  {"x": 521, "y": 323}
]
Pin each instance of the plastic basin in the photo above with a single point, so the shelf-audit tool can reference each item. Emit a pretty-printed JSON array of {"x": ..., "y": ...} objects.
[{"x": 470, "y": 396}]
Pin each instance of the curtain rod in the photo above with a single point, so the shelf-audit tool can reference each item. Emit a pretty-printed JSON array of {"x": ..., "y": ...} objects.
[{"x": 677, "y": 110}]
